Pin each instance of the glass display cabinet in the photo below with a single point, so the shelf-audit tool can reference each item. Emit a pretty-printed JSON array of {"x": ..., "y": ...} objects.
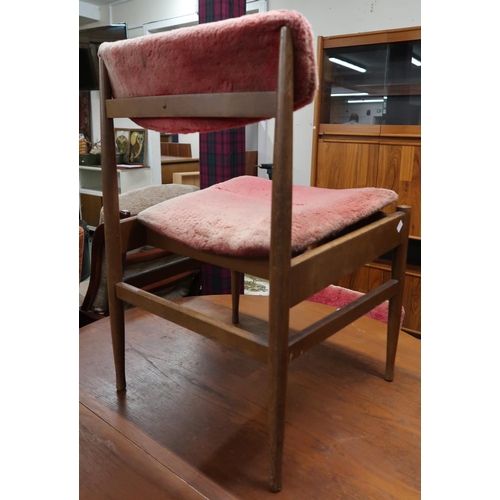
[
  {"x": 379, "y": 84},
  {"x": 367, "y": 132}
]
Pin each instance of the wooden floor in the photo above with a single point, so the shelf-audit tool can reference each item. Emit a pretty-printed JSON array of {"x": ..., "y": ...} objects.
[{"x": 192, "y": 423}]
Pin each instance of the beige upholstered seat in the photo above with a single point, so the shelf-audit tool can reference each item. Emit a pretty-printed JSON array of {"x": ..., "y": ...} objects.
[{"x": 142, "y": 259}]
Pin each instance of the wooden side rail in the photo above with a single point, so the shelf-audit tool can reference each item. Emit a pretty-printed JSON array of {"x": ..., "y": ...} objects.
[
  {"x": 348, "y": 252},
  {"x": 256, "y": 267}
]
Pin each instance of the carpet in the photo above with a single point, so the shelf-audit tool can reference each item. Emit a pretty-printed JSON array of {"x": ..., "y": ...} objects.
[{"x": 338, "y": 296}]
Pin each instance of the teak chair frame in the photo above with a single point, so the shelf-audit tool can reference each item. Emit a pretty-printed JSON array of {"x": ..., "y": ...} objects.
[{"x": 313, "y": 269}]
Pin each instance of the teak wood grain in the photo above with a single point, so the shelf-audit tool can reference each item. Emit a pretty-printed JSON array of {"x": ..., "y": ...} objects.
[
  {"x": 175, "y": 149},
  {"x": 193, "y": 420},
  {"x": 385, "y": 156}
]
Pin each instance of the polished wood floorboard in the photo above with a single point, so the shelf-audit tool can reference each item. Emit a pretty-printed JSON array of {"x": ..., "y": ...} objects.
[{"x": 192, "y": 423}]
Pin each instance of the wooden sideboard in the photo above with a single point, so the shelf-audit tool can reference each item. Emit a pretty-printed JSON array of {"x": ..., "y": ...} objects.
[
  {"x": 382, "y": 149},
  {"x": 172, "y": 164}
]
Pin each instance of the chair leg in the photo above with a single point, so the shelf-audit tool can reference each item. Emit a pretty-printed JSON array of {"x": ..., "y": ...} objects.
[
  {"x": 114, "y": 265},
  {"x": 278, "y": 373},
  {"x": 117, "y": 323},
  {"x": 276, "y": 414},
  {"x": 279, "y": 265},
  {"x": 393, "y": 324},
  {"x": 396, "y": 302},
  {"x": 235, "y": 294}
]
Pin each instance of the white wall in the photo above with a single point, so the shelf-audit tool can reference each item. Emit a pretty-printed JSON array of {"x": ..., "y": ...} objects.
[{"x": 327, "y": 18}]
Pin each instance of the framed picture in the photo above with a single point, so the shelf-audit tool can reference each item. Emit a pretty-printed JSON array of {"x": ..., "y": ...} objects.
[
  {"x": 122, "y": 142},
  {"x": 132, "y": 144},
  {"x": 137, "y": 149}
]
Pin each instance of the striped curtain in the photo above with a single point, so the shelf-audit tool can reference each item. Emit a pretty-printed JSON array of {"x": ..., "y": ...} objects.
[{"x": 222, "y": 154}]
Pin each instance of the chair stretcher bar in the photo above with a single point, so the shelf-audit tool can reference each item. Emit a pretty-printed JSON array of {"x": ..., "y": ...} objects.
[
  {"x": 256, "y": 345},
  {"x": 334, "y": 322},
  {"x": 210, "y": 327}
]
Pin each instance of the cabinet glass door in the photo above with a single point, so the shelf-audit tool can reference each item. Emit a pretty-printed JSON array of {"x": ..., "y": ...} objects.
[{"x": 376, "y": 84}]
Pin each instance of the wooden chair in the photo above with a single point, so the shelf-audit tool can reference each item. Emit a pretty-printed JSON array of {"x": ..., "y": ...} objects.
[{"x": 269, "y": 68}]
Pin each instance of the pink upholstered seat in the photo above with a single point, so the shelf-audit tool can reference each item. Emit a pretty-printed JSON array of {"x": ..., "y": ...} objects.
[{"x": 234, "y": 217}]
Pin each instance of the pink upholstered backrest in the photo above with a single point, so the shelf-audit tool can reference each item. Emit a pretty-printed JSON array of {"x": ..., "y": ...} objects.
[{"x": 234, "y": 55}]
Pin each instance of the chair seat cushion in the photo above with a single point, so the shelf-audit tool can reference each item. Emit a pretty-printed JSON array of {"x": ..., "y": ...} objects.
[{"x": 234, "y": 217}]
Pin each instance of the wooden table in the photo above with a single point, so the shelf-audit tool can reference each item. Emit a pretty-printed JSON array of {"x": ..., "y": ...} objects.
[
  {"x": 171, "y": 164},
  {"x": 193, "y": 421}
]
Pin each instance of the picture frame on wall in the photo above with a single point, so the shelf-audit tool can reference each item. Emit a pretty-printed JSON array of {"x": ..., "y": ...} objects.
[
  {"x": 131, "y": 143},
  {"x": 122, "y": 142},
  {"x": 137, "y": 147}
]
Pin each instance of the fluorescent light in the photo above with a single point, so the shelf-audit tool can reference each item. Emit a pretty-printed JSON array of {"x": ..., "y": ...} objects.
[
  {"x": 365, "y": 100},
  {"x": 349, "y": 94},
  {"x": 347, "y": 65},
  {"x": 416, "y": 62}
]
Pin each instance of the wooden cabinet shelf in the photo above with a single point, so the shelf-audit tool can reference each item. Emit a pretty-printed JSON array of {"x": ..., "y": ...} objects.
[{"x": 383, "y": 149}]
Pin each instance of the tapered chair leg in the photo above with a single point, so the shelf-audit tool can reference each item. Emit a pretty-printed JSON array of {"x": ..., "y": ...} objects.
[
  {"x": 235, "y": 294},
  {"x": 396, "y": 302},
  {"x": 276, "y": 409},
  {"x": 114, "y": 264},
  {"x": 278, "y": 372},
  {"x": 117, "y": 324},
  {"x": 393, "y": 325}
]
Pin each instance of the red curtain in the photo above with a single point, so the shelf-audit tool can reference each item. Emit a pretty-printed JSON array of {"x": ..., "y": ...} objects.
[{"x": 222, "y": 154}]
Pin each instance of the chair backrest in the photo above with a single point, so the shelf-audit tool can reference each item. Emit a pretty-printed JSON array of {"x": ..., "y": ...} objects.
[
  {"x": 231, "y": 57},
  {"x": 211, "y": 77}
]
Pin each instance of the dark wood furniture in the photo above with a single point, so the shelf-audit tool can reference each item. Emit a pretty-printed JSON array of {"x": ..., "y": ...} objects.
[
  {"x": 270, "y": 342},
  {"x": 384, "y": 148}
]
